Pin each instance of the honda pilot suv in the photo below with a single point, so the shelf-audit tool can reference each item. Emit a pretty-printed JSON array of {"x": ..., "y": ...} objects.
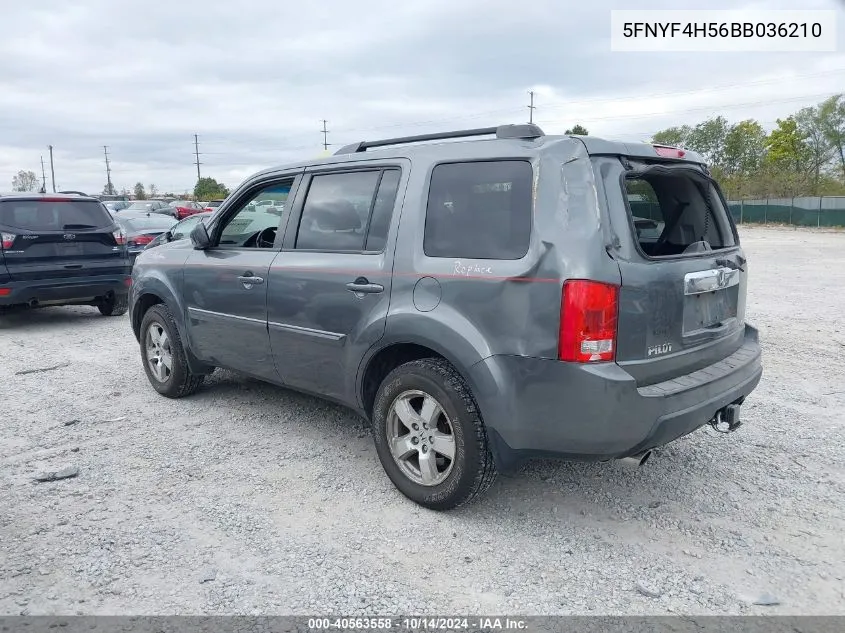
[
  {"x": 62, "y": 249},
  {"x": 479, "y": 301}
]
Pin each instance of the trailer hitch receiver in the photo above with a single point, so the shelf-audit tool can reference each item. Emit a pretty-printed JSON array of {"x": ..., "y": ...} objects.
[{"x": 726, "y": 420}]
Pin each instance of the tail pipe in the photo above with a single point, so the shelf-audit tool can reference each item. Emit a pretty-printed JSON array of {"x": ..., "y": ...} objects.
[{"x": 635, "y": 461}]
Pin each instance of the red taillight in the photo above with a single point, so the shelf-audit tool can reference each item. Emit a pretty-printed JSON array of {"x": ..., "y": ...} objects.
[
  {"x": 128, "y": 282},
  {"x": 669, "y": 152},
  {"x": 7, "y": 239},
  {"x": 119, "y": 237},
  {"x": 5, "y": 292},
  {"x": 588, "y": 311},
  {"x": 142, "y": 239}
]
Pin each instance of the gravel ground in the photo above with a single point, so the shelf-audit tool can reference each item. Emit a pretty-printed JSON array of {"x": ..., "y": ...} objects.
[{"x": 249, "y": 499}]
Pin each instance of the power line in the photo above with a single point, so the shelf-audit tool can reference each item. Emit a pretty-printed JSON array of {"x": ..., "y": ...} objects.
[
  {"x": 575, "y": 103},
  {"x": 325, "y": 136},
  {"x": 761, "y": 82},
  {"x": 531, "y": 107},
  {"x": 699, "y": 109},
  {"x": 197, "y": 153}
]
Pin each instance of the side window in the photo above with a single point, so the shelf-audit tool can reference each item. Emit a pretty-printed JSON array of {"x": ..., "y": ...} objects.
[
  {"x": 336, "y": 211},
  {"x": 479, "y": 210},
  {"x": 382, "y": 211},
  {"x": 254, "y": 225}
]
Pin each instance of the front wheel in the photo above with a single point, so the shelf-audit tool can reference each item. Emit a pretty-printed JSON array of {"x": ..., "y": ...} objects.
[
  {"x": 429, "y": 435},
  {"x": 164, "y": 357}
]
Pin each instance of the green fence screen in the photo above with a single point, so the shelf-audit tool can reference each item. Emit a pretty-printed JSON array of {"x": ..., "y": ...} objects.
[{"x": 803, "y": 211}]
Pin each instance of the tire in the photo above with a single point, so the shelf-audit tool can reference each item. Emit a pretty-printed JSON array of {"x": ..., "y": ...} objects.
[
  {"x": 471, "y": 470},
  {"x": 178, "y": 382},
  {"x": 115, "y": 305}
]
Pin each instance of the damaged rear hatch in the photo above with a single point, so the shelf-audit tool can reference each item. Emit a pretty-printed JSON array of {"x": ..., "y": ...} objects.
[{"x": 683, "y": 272}]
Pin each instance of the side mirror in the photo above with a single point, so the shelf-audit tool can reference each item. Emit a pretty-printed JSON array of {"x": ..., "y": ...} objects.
[{"x": 199, "y": 237}]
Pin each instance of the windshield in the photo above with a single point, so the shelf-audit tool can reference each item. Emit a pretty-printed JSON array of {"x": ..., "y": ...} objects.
[
  {"x": 53, "y": 215},
  {"x": 185, "y": 226}
]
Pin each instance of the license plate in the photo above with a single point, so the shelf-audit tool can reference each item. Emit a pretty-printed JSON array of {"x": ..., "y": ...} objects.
[
  {"x": 69, "y": 250},
  {"x": 708, "y": 310}
]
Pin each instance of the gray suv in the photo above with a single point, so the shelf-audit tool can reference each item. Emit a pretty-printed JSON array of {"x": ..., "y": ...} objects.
[{"x": 480, "y": 301}]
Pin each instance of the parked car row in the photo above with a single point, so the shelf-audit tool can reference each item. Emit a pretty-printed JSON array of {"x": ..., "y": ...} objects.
[{"x": 179, "y": 209}]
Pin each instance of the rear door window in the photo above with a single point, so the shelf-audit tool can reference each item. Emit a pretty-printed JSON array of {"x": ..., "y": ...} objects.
[
  {"x": 676, "y": 211},
  {"x": 479, "y": 210}
]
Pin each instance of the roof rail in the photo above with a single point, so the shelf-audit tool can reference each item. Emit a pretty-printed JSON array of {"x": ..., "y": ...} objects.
[{"x": 525, "y": 131}]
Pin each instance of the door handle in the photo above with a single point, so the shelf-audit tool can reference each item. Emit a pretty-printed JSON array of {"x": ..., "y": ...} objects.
[
  {"x": 363, "y": 286},
  {"x": 248, "y": 280}
]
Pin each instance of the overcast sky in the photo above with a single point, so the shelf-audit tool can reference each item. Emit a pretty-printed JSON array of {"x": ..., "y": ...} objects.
[{"x": 254, "y": 79}]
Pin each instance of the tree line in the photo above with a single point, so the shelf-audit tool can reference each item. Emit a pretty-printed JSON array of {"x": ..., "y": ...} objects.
[
  {"x": 205, "y": 189},
  {"x": 804, "y": 155}
]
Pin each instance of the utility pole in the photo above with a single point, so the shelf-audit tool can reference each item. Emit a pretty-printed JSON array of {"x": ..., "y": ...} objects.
[
  {"x": 52, "y": 169},
  {"x": 531, "y": 107},
  {"x": 197, "y": 153},
  {"x": 43, "y": 177},
  {"x": 109, "y": 187},
  {"x": 325, "y": 136}
]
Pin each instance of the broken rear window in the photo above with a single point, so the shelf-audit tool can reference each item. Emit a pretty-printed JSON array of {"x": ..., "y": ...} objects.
[{"x": 676, "y": 212}]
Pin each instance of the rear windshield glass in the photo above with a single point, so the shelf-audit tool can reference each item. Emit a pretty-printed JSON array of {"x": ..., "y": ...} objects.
[
  {"x": 41, "y": 215},
  {"x": 162, "y": 222},
  {"x": 676, "y": 212}
]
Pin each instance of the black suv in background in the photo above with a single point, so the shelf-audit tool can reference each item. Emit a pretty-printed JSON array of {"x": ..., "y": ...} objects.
[{"x": 61, "y": 249}]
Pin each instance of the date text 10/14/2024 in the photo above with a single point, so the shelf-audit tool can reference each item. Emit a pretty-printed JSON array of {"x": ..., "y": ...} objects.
[{"x": 417, "y": 624}]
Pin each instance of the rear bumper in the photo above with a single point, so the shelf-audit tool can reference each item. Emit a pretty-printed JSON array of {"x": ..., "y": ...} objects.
[
  {"x": 64, "y": 291},
  {"x": 537, "y": 407}
]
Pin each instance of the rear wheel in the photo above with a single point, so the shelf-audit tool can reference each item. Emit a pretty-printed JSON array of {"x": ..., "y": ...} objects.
[
  {"x": 114, "y": 305},
  {"x": 164, "y": 357},
  {"x": 430, "y": 437}
]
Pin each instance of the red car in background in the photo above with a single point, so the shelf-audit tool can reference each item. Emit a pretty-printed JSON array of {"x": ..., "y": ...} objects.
[
  {"x": 184, "y": 208},
  {"x": 212, "y": 205}
]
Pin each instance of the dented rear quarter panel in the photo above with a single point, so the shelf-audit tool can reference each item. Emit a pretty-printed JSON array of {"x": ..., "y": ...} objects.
[{"x": 490, "y": 307}]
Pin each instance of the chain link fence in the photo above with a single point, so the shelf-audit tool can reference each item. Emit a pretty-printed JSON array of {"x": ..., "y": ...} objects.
[{"x": 799, "y": 211}]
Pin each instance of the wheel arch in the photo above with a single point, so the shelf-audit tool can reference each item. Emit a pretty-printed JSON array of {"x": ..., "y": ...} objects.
[
  {"x": 156, "y": 292},
  {"x": 393, "y": 351}
]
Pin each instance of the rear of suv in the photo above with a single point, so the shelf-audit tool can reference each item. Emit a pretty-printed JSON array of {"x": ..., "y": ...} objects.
[
  {"x": 61, "y": 249},
  {"x": 480, "y": 302}
]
